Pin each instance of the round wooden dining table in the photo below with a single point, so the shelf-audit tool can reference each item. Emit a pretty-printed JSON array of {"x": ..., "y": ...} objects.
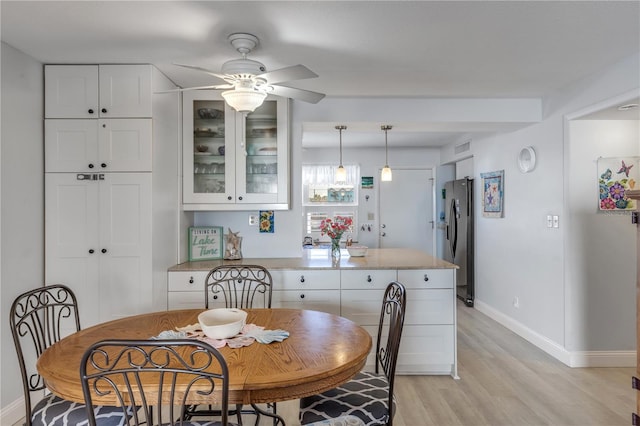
[{"x": 321, "y": 352}]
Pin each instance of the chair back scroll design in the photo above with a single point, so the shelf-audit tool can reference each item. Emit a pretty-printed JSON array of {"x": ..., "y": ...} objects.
[
  {"x": 240, "y": 286},
  {"x": 391, "y": 316},
  {"x": 138, "y": 373},
  {"x": 42, "y": 317}
]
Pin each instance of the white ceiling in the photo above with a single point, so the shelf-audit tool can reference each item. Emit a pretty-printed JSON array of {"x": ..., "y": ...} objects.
[{"x": 459, "y": 49}]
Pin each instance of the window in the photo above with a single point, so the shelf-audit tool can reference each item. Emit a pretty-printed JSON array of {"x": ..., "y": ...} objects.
[{"x": 323, "y": 198}]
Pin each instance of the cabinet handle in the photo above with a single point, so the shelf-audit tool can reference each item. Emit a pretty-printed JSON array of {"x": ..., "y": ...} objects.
[
  {"x": 215, "y": 297},
  {"x": 90, "y": 111},
  {"x": 104, "y": 126},
  {"x": 103, "y": 165},
  {"x": 91, "y": 251},
  {"x": 229, "y": 197},
  {"x": 384, "y": 234},
  {"x": 426, "y": 278},
  {"x": 104, "y": 110},
  {"x": 301, "y": 278},
  {"x": 369, "y": 278},
  {"x": 240, "y": 198},
  {"x": 302, "y": 296},
  {"x": 190, "y": 280},
  {"x": 103, "y": 250},
  {"x": 90, "y": 165}
]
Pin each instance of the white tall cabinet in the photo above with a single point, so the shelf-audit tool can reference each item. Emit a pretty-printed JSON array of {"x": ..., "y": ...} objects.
[{"x": 100, "y": 174}]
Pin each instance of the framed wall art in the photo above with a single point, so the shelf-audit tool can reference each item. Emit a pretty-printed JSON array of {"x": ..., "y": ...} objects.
[
  {"x": 493, "y": 194},
  {"x": 205, "y": 242},
  {"x": 617, "y": 176}
]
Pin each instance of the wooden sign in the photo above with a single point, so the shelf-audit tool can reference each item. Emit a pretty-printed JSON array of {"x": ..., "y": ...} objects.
[{"x": 205, "y": 242}]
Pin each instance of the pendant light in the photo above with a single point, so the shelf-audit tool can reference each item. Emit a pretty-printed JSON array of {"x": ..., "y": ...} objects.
[
  {"x": 386, "y": 176},
  {"x": 341, "y": 173}
]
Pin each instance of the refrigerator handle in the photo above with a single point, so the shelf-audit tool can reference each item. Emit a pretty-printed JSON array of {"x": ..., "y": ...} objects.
[{"x": 453, "y": 240}]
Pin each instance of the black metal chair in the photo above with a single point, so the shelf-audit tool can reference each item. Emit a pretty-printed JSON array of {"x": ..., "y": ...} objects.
[
  {"x": 38, "y": 319},
  {"x": 137, "y": 371},
  {"x": 368, "y": 396},
  {"x": 239, "y": 286}
]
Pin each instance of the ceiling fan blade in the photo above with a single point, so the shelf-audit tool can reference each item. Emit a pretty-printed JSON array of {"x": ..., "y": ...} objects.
[
  {"x": 219, "y": 86},
  {"x": 220, "y": 76},
  {"x": 295, "y": 72},
  {"x": 299, "y": 94}
]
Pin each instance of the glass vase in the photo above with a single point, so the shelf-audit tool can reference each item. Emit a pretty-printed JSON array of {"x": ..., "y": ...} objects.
[{"x": 335, "y": 249}]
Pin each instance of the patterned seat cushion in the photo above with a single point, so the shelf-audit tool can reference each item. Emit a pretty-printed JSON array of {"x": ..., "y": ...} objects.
[
  {"x": 366, "y": 396},
  {"x": 339, "y": 421},
  {"x": 55, "y": 411}
]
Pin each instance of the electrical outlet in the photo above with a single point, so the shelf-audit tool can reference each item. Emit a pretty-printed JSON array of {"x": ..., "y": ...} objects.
[
  {"x": 516, "y": 302},
  {"x": 556, "y": 221},
  {"x": 253, "y": 220}
]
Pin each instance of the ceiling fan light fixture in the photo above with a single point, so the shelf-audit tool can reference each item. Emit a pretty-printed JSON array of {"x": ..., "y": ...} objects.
[
  {"x": 341, "y": 172},
  {"x": 386, "y": 175},
  {"x": 244, "y": 100}
]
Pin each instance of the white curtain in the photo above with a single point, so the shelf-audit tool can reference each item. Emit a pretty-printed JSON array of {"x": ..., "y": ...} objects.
[{"x": 325, "y": 174}]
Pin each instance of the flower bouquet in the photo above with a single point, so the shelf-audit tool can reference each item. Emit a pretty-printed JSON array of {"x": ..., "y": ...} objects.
[{"x": 334, "y": 229}]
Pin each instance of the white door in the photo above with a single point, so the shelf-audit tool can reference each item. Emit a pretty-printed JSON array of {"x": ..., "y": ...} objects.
[
  {"x": 125, "y": 245},
  {"x": 125, "y": 145},
  {"x": 71, "y": 145},
  {"x": 71, "y": 91},
  {"x": 72, "y": 240},
  {"x": 125, "y": 91},
  {"x": 407, "y": 210}
]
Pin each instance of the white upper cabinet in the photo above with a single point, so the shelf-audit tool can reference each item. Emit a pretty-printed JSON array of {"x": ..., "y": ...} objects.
[
  {"x": 92, "y": 91},
  {"x": 233, "y": 161},
  {"x": 109, "y": 145}
]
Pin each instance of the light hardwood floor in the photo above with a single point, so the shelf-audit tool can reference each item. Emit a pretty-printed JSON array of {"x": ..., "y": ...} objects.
[{"x": 505, "y": 381}]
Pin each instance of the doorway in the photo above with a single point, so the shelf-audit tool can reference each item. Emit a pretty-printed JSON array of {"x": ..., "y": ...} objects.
[{"x": 407, "y": 210}]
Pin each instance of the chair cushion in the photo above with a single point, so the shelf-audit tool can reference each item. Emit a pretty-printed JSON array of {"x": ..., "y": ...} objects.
[
  {"x": 55, "y": 411},
  {"x": 366, "y": 396},
  {"x": 339, "y": 421}
]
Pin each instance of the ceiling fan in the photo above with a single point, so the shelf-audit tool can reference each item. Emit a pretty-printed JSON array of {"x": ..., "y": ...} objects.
[{"x": 248, "y": 83}]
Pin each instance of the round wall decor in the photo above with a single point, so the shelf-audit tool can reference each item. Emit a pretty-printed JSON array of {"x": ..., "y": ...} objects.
[{"x": 527, "y": 159}]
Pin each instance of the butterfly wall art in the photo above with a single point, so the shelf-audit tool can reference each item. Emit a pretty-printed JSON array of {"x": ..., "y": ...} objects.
[{"x": 616, "y": 176}]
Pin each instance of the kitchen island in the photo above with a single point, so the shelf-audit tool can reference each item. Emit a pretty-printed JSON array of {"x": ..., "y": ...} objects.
[{"x": 353, "y": 288}]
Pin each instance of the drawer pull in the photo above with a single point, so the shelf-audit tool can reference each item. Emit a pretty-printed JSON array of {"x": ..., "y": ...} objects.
[
  {"x": 215, "y": 297},
  {"x": 426, "y": 278},
  {"x": 302, "y": 296},
  {"x": 190, "y": 280},
  {"x": 369, "y": 278},
  {"x": 301, "y": 278}
]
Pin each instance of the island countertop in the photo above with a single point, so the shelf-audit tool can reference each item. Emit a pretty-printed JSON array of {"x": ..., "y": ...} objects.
[{"x": 391, "y": 258}]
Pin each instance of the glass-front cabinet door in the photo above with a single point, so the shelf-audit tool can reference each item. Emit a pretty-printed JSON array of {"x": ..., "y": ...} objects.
[
  {"x": 233, "y": 161},
  {"x": 262, "y": 163}
]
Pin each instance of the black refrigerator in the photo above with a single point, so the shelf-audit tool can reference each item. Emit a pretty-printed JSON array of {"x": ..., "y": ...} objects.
[{"x": 458, "y": 211}]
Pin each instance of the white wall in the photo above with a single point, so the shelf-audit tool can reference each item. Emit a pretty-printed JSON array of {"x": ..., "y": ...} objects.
[
  {"x": 22, "y": 228},
  {"x": 601, "y": 246},
  {"x": 518, "y": 256},
  {"x": 371, "y": 160}
]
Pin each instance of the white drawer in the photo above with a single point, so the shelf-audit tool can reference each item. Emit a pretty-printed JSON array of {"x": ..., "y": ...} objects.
[
  {"x": 362, "y": 306},
  {"x": 188, "y": 281},
  {"x": 316, "y": 300},
  {"x": 367, "y": 278},
  {"x": 426, "y": 278},
  {"x": 189, "y": 300},
  {"x": 423, "y": 306},
  {"x": 305, "y": 279},
  {"x": 423, "y": 349}
]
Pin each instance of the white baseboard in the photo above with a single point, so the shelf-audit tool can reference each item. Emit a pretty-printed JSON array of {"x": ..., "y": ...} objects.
[
  {"x": 12, "y": 413},
  {"x": 571, "y": 359}
]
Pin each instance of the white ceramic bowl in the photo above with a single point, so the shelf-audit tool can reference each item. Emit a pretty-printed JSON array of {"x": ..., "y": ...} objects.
[
  {"x": 357, "y": 251},
  {"x": 222, "y": 323}
]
